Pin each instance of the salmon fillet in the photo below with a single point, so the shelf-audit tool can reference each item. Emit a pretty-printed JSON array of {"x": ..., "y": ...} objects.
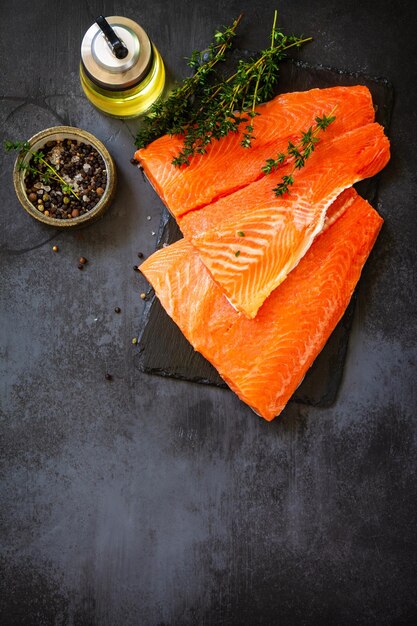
[
  {"x": 250, "y": 240},
  {"x": 264, "y": 359},
  {"x": 227, "y": 166}
]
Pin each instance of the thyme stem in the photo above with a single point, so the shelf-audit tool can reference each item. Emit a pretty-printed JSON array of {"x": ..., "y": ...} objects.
[
  {"x": 273, "y": 28},
  {"x": 24, "y": 148},
  {"x": 300, "y": 152},
  {"x": 205, "y": 107},
  {"x": 55, "y": 174}
]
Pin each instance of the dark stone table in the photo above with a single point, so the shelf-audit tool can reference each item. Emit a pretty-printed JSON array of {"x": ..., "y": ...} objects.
[{"x": 148, "y": 501}]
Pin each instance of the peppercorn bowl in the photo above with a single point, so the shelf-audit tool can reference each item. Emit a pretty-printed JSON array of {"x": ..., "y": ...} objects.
[{"x": 64, "y": 199}]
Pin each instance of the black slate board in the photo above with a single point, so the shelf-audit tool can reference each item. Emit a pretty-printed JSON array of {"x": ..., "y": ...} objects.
[{"x": 163, "y": 349}]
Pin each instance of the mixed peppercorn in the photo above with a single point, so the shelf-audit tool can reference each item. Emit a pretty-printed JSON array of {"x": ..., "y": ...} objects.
[{"x": 80, "y": 166}]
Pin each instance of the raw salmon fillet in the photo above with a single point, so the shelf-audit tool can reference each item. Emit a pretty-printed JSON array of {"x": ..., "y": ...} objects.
[
  {"x": 264, "y": 359},
  {"x": 250, "y": 240},
  {"x": 227, "y": 166}
]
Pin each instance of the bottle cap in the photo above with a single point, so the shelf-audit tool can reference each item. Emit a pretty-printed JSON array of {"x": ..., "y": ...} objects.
[{"x": 116, "y": 53}]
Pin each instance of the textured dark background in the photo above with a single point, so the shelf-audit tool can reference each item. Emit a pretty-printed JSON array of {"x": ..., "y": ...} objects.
[{"x": 148, "y": 501}]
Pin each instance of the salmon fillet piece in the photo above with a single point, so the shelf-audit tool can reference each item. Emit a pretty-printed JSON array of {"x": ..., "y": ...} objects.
[
  {"x": 227, "y": 166},
  {"x": 251, "y": 240},
  {"x": 263, "y": 360}
]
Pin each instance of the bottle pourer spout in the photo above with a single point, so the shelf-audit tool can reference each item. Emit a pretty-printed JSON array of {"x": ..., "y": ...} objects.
[{"x": 116, "y": 45}]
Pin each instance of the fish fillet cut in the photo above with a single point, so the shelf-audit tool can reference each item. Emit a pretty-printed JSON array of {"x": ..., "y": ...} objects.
[
  {"x": 264, "y": 359},
  {"x": 251, "y": 240},
  {"x": 227, "y": 166}
]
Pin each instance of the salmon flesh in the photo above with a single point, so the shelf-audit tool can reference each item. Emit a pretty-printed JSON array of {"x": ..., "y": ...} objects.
[
  {"x": 227, "y": 166},
  {"x": 264, "y": 359}
]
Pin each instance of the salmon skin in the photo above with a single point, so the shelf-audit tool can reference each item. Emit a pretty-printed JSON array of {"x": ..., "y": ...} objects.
[
  {"x": 252, "y": 239},
  {"x": 264, "y": 359},
  {"x": 227, "y": 166}
]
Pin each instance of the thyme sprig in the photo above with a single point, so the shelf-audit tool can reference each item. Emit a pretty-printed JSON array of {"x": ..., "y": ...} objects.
[
  {"x": 201, "y": 110},
  {"x": 171, "y": 115},
  {"x": 38, "y": 160},
  {"x": 300, "y": 152}
]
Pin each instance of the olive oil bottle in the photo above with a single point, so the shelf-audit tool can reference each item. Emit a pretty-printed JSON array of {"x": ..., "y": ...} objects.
[{"x": 121, "y": 71}]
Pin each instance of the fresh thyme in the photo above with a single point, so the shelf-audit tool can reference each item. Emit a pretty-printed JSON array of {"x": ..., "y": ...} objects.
[
  {"x": 47, "y": 174},
  {"x": 206, "y": 107},
  {"x": 173, "y": 114},
  {"x": 300, "y": 152}
]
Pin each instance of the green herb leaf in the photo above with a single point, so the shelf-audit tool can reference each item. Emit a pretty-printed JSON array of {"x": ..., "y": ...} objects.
[
  {"x": 300, "y": 152},
  {"x": 324, "y": 122},
  {"x": 205, "y": 107},
  {"x": 23, "y": 146},
  {"x": 38, "y": 165}
]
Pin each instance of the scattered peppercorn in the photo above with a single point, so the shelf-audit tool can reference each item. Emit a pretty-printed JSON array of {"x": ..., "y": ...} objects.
[
  {"x": 117, "y": 309},
  {"x": 108, "y": 376},
  {"x": 80, "y": 266},
  {"x": 82, "y": 260},
  {"x": 55, "y": 248},
  {"x": 133, "y": 161},
  {"x": 237, "y": 253},
  {"x": 136, "y": 268},
  {"x": 140, "y": 255}
]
